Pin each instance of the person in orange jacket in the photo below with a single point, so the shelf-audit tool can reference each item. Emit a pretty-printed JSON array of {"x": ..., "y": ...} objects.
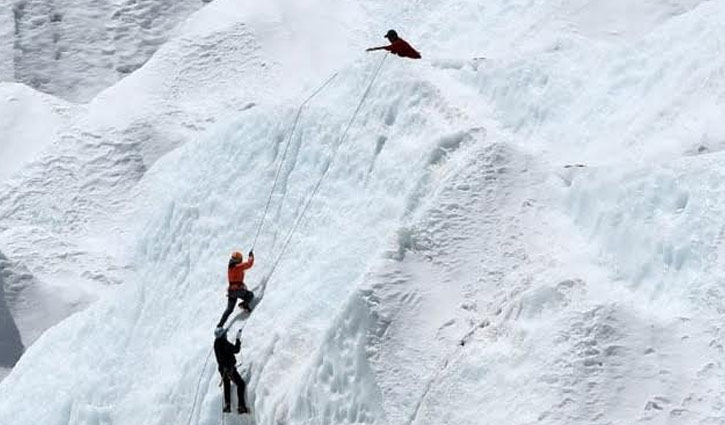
[
  {"x": 237, "y": 288},
  {"x": 397, "y": 46}
]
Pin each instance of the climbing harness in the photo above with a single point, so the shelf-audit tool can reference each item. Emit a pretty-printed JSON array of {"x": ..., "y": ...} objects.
[
  {"x": 263, "y": 285},
  {"x": 261, "y": 222}
]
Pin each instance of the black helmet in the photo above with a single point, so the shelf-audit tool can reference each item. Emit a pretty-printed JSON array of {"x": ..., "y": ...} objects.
[{"x": 391, "y": 35}]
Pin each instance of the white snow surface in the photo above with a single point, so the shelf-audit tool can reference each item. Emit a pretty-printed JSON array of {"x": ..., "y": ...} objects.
[
  {"x": 76, "y": 48},
  {"x": 522, "y": 227},
  {"x": 21, "y": 111}
]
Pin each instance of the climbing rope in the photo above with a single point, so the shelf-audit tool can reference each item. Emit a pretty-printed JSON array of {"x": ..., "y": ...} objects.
[
  {"x": 261, "y": 223},
  {"x": 262, "y": 287},
  {"x": 198, "y": 385},
  {"x": 340, "y": 141},
  {"x": 284, "y": 153},
  {"x": 203, "y": 369}
]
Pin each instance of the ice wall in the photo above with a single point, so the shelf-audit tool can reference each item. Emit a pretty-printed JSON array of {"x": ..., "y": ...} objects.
[
  {"x": 64, "y": 215},
  {"x": 170, "y": 305},
  {"x": 454, "y": 268},
  {"x": 11, "y": 346}
]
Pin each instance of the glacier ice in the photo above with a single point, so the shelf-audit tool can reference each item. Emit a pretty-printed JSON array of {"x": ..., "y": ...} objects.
[{"x": 451, "y": 269}]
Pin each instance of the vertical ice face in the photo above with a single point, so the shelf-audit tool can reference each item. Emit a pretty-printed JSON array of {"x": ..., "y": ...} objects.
[
  {"x": 11, "y": 345},
  {"x": 7, "y": 29},
  {"x": 207, "y": 197}
]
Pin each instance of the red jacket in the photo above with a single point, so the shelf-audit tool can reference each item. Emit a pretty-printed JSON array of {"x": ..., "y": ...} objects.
[
  {"x": 401, "y": 48},
  {"x": 236, "y": 273}
]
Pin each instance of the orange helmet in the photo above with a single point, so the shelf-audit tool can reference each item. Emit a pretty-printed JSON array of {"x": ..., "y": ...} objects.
[{"x": 237, "y": 256}]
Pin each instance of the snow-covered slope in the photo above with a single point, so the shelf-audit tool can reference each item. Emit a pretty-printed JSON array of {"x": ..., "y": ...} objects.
[
  {"x": 29, "y": 121},
  {"x": 62, "y": 218},
  {"x": 521, "y": 227},
  {"x": 74, "y": 49}
]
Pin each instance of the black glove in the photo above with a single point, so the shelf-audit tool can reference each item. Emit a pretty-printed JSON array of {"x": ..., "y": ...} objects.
[{"x": 251, "y": 253}]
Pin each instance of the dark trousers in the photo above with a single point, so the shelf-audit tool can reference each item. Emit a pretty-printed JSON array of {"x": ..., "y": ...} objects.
[
  {"x": 231, "y": 374},
  {"x": 232, "y": 296}
]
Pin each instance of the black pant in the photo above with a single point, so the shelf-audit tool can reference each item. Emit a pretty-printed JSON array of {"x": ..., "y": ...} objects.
[
  {"x": 231, "y": 374},
  {"x": 232, "y": 296}
]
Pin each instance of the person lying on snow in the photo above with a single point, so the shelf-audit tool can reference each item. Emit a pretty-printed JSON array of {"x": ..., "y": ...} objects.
[
  {"x": 397, "y": 46},
  {"x": 225, "y": 357},
  {"x": 237, "y": 288}
]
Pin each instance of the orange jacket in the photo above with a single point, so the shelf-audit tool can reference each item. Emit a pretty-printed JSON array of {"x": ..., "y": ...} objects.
[{"x": 236, "y": 273}]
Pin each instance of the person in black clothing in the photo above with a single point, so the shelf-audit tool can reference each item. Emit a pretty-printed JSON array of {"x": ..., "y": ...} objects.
[{"x": 224, "y": 352}]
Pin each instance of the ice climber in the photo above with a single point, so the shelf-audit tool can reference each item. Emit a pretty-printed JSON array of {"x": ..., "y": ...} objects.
[
  {"x": 237, "y": 288},
  {"x": 397, "y": 46},
  {"x": 224, "y": 352}
]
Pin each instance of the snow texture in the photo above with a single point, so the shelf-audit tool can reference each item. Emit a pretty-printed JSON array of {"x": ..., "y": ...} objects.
[
  {"x": 522, "y": 227},
  {"x": 21, "y": 108},
  {"x": 75, "y": 49},
  {"x": 11, "y": 346}
]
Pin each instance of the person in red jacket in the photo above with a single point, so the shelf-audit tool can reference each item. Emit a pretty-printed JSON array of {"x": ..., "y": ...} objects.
[
  {"x": 397, "y": 46},
  {"x": 237, "y": 288}
]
